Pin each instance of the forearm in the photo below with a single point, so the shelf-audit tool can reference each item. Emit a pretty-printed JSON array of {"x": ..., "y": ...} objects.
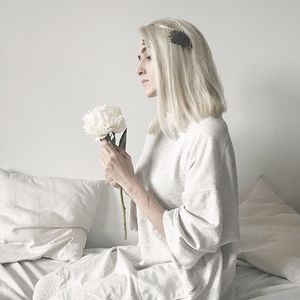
[{"x": 146, "y": 202}]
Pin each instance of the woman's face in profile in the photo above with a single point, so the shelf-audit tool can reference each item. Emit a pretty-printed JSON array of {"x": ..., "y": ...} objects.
[{"x": 146, "y": 70}]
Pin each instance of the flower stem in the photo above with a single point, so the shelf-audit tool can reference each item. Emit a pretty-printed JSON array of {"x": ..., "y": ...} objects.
[{"x": 124, "y": 213}]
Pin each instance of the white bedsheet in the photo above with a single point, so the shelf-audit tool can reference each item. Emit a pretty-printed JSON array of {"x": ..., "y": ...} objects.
[
  {"x": 17, "y": 280},
  {"x": 255, "y": 284}
]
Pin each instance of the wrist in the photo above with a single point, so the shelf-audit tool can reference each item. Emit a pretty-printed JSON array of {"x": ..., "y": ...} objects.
[{"x": 130, "y": 185}]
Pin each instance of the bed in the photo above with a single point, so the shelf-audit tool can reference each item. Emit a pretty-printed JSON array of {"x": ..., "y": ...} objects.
[
  {"x": 268, "y": 268},
  {"x": 18, "y": 280},
  {"x": 252, "y": 283}
]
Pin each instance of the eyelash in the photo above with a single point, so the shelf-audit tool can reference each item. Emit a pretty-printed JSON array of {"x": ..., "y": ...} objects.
[{"x": 146, "y": 57}]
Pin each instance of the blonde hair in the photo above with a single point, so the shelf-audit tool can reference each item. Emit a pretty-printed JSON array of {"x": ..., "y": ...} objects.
[{"x": 188, "y": 85}]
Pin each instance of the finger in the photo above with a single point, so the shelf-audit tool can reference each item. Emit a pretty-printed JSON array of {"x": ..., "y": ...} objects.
[
  {"x": 118, "y": 149},
  {"x": 109, "y": 147},
  {"x": 108, "y": 150},
  {"x": 105, "y": 151},
  {"x": 105, "y": 155},
  {"x": 103, "y": 142},
  {"x": 108, "y": 178},
  {"x": 103, "y": 162},
  {"x": 115, "y": 184},
  {"x": 122, "y": 151},
  {"x": 106, "y": 161}
]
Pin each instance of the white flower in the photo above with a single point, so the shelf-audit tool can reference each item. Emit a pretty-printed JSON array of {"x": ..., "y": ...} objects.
[{"x": 103, "y": 120}]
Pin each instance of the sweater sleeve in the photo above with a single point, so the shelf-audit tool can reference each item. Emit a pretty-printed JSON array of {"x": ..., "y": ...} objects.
[{"x": 195, "y": 228}]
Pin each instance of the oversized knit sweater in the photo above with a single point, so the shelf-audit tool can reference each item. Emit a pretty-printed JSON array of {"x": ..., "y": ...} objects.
[{"x": 194, "y": 178}]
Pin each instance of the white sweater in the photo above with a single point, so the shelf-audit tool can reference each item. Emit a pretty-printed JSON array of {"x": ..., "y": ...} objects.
[{"x": 194, "y": 178}]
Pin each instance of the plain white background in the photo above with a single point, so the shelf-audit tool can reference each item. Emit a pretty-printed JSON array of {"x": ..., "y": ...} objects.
[{"x": 59, "y": 59}]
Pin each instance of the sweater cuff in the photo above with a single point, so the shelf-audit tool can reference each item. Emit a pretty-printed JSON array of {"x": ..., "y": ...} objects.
[{"x": 186, "y": 257}]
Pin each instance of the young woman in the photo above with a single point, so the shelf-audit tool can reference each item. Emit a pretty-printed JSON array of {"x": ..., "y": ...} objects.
[{"x": 184, "y": 191}]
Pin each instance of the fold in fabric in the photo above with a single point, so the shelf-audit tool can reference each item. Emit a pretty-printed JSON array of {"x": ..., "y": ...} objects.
[
  {"x": 191, "y": 234},
  {"x": 133, "y": 226}
]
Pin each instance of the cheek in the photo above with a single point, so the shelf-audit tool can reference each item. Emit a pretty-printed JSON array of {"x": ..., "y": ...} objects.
[{"x": 152, "y": 77}]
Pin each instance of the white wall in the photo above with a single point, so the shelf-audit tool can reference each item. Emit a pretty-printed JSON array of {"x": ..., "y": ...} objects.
[{"x": 59, "y": 59}]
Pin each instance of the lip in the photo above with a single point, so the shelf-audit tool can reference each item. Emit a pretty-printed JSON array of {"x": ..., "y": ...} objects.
[{"x": 144, "y": 80}]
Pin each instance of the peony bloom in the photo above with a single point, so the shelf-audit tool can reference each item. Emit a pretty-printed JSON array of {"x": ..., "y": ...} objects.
[{"x": 104, "y": 122}]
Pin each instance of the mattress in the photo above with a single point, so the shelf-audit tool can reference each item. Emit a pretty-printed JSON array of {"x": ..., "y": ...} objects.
[{"x": 17, "y": 280}]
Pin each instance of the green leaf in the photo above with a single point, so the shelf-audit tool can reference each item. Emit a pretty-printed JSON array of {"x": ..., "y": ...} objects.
[
  {"x": 114, "y": 139},
  {"x": 122, "y": 142}
]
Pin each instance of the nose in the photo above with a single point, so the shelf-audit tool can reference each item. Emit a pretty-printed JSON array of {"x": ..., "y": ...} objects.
[{"x": 140, "y": 70}]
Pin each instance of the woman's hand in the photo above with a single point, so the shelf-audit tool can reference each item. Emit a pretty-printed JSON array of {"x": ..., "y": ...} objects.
[{"x": 117, "y": 164}]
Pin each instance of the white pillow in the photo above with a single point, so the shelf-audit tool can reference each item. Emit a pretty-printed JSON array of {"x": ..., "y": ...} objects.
[
  {"x": 45, "y": 216},
  {"x": 270, "y": 232}
]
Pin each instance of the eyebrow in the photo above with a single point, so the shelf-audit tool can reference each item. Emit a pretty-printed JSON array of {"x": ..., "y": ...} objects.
[{"x": 143, "y": 50}]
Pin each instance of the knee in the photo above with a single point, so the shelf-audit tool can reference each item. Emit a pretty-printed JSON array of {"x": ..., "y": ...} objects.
[{"x": 45, "y": 287}]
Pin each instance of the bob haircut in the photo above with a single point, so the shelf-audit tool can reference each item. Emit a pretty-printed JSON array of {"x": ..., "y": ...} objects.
[{"x": 188, "y": 85}]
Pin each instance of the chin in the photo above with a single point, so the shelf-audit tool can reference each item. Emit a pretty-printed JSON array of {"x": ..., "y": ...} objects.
[{"x": 151, "y": 93}]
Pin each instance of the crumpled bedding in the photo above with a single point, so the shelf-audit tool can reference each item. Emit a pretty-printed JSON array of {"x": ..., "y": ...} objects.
[
  {"x": 252, "y": 283},
  {"x": 18, "y": 279},
  {"x": 115, "y": 273}
]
